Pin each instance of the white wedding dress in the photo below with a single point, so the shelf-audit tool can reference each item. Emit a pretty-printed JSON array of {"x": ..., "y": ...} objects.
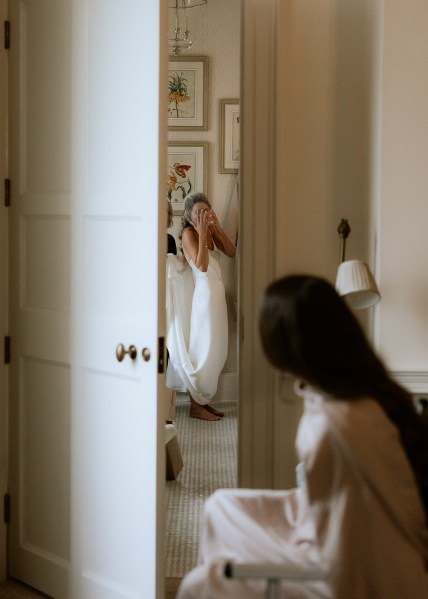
[{"x": 197, "y": 332}]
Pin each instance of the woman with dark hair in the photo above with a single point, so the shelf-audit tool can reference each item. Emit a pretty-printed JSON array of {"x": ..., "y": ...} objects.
[
  {"x": 361, "y": 512},
  {"x": 197, "y": 337},
  {"x": 171, "y": 247}
]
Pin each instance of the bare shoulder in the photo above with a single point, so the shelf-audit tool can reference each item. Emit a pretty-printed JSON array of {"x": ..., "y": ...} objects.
[
  {"x": 189, "y": 243},
  {"x": 189, "y": 235},
  {"x": 189, "y": 231}
]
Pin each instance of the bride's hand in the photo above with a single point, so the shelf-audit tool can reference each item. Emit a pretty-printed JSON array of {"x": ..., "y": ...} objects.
[
  {"x": 201, "y": 222},
  {"x": 213, "y": 220}
]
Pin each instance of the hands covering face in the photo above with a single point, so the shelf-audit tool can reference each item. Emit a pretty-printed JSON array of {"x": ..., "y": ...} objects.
[{"x": 204, "y": 218}]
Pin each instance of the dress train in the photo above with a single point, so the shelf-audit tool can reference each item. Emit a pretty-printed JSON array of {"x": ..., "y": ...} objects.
[{"x": 197, "y": 331}]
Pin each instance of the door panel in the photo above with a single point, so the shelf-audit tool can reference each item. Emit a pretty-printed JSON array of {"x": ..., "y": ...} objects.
[
  {"x": 40, "y": 233},
  {"x": 88, "y": 273},
  {"x": 117, "y": 433}
]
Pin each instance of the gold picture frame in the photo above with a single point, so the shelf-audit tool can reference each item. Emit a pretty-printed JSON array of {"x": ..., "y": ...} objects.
[
  {"x": 188, "y": 93},
  {"x": 229, "y": 135},
  {"x": 187, "y": 171}
]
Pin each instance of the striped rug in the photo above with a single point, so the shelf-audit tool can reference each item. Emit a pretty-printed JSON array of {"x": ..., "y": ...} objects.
[{"x": 209, "y": 456}]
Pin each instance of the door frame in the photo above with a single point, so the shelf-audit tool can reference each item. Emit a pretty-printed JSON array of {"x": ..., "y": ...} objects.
[
  {"x": 4, "y": 291},
  {"x": 256, "y": 441},
  {"x": 257, "y": 249}
]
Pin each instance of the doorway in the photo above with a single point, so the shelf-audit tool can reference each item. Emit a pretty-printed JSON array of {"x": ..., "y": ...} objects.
[
  {"x": 215, "y": 33},
  {"x": 259, "y": 156},
  {"x": 85, "y": 436}
]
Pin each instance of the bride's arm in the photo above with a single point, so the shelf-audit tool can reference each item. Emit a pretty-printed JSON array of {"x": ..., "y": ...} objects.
[
  {"x": 220, "y": 238},
  {"x": 194, "y": 243}
]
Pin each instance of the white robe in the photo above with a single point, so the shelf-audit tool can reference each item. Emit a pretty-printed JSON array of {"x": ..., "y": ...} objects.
[
  {"x": 358, "y": 515},
  {"x": 197, "y": 331}
]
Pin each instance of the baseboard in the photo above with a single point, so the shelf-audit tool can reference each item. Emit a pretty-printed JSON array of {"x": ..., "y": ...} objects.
[{"x": 227, "y": 389}]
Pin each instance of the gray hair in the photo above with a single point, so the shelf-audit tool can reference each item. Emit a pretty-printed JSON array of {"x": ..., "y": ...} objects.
[{"x": 189, "y": 202}]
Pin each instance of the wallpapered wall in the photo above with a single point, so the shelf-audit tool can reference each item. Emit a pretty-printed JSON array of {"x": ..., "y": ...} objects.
[{"x": 215, "y": 31}]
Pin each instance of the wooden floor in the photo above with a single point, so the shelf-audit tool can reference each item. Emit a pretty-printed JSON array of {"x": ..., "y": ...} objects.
[
  {"x": 15, "y": 590},
  {"x": 171, "y": 586}
]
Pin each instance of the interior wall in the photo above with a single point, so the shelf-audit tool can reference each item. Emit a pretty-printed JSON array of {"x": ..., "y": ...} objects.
[
  {"x": 350, "y": 119},
  {"x": 215, "y": 32},
  {"x": 402, "y": 324},
  {"x": 327, "y": 68},
  {"x": 352, "y": 123},
  {"x": 326, "y": 139}
]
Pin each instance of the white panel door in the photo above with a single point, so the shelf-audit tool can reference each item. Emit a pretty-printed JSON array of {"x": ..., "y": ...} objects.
[
  {"x": 39, "y": 132},
  {"x": 85, "y": 103}
]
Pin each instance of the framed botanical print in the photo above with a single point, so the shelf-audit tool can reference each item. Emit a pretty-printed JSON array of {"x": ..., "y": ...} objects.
[
  {"x": 229, "y": 136},
  {"x": 187, "y": 171},
  {"x": 188, "y": 93}
]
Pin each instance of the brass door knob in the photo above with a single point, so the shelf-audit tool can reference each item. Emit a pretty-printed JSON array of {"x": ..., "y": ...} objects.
[
  {"x": 146, "y": 354},
  {"x": 121, "y": 352}
]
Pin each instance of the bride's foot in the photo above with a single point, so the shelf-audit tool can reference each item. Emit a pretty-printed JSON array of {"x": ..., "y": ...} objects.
[
  {"x": 214, "y": 411},
  {"x": 198, "y": 411}
]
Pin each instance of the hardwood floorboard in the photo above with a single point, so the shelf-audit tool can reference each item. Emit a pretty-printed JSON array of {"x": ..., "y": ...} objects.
[
  {"x": 11, "y": 589},
  {"x": 171, "y": 587}
]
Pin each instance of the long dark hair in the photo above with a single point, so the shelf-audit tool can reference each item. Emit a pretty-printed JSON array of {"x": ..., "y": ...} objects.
[{"x": 307, "y": 329}]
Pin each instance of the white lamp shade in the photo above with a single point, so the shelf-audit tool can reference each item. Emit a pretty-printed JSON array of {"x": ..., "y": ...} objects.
[{"x": 355, "y": 282}]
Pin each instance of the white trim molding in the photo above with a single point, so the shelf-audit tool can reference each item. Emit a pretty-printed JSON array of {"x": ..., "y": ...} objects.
[
  {"x": 256, "y": 441},
  {"x": 415, "y": 382},
  {"x": 4, "y": 291},
  {"x": 227, "y": 387}
]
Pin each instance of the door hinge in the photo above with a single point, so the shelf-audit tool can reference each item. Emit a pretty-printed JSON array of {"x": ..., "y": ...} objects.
[
  {"x": 7, "y": 192},
  {"x": 7, "y": 349},
  {"x": 7, "y": 35},
  {"x": 6, "y": 508},
  {"x": 161, "y": 355}
]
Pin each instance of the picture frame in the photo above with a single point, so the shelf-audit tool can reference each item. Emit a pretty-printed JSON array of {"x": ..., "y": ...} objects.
[
  {"x": 188, "y": 93},
  {"x": 229, "y": 135},
  {"x": 187, "y": 171}
]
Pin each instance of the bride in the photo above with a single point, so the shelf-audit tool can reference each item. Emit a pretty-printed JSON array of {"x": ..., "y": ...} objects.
[{"x": 197, "y": 337}]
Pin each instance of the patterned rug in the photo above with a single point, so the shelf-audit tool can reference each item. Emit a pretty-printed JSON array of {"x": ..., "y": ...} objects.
[{"x": 209, "y": 455}]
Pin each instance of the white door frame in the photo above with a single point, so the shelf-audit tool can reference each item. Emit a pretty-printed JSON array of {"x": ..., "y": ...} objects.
[
  {"x": 257, "y": 248},
  {"x": 4, "y": 284},
  {"x": 256, "y": 448},
  {"x": 156, "y": 73}
]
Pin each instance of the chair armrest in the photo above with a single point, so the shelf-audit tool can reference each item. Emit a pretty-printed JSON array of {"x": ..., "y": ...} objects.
[
  {"x": 272, "y": 571},
  {"x": 273, "y": 574}
]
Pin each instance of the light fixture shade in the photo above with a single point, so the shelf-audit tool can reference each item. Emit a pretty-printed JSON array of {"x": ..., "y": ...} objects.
[{"x": 355, "y": 282}]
